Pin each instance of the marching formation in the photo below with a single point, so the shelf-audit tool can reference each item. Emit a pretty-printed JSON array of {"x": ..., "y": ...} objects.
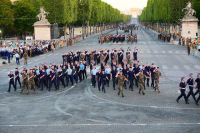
[{"x": 194, "y": 88}]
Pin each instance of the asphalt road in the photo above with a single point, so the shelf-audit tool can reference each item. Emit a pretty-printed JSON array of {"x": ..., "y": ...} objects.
[{"x": 82, "y": 108}]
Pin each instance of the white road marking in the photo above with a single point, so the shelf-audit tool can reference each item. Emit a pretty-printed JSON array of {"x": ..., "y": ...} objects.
[
  {"x": 186, "y": 67},
  {"x": 49, "y": 55},
  {"x": 57, "y": 54},
  {"x": 163, "y": 52},
  {"x": 177, "y": 52},
  {"x": 170, "y": 51},
  {"x": 148, "y": 52},
  {"x": 37, "y": 60},
  {"x": 30, "y": 62},
  {"x": 155, "y": 51},
  {"x": 175, "y": 67},
  {"x": 141, "y": 51}
]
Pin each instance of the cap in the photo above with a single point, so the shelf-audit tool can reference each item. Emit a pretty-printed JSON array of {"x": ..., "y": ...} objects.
[
  {"x": 191, "y": 74},
  {"x": 182, "y": 77},
  {"x": 198, "y": 73},
  {"x": 136, "y": 63},
  {"x": 24, "y": 66},
  {"x": 147, "y": 62},
  {"x": 31, "y": 66}
]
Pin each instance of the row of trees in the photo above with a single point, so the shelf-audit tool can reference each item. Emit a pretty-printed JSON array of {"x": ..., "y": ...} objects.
[
  {"x": 21, "y": 15},
  {"x": 167, "y": 11}
]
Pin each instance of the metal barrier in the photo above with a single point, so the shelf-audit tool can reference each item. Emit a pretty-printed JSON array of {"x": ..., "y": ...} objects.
[{"x": 195, "y": 53}]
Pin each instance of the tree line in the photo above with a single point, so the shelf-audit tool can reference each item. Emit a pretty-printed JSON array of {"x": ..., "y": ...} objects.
[
  {"x": 167, "y": 11},
  {"x": 21, "y": 15}
]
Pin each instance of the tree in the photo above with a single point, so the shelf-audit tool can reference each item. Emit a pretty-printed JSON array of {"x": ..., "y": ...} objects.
[
  {"x": 26, "y": 16},
  {"x": 6, "y": 14}
]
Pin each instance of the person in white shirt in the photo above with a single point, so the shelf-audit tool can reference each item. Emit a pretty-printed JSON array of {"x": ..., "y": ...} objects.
[{"x": 17, "y": 59}]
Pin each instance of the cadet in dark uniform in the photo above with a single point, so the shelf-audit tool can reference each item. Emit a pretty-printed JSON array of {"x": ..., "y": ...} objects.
[
  {"x": 198, "y": 87},
  {"x": 131, "y": 76},
  {"x": 147, "y": 68},
  {"x": 114, "y": 73},
  {"x": 60, "y": 78},
  {"x": 17, "y": 78},
  {"x": 152, "y": 75},
  {"x": 182, "y": 90},
  {"x": 11, "y": 82},
  {"x": 190, "y": 83},
  {"x": 103, "y": 80},
  {"x": 98, "y": 74},
  {"x": 93, "y": 72},
  {"x": 53, "y": 80}
]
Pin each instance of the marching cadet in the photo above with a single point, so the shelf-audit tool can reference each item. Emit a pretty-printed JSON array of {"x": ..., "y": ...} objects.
[
  {"x": 128, "y": 58},
  {"x": 69, "y": 75},
  {"x": 60, "y": 78},
  {"x": 152, "y": 75},
  {"x": 188, "y": 48},
  {"x": 94, "y": 72},
  {"x": 108, "y": 74},
  {"x": 25, "y": 57},
  {"x": 141, "y": 77},
  {"x": 53, "y": 80},
  {"x": 103, "y": 80},
  {"x": 136, "y": 70},
  {"x": 182, "y": 86},
  {"x": 135, "y": 54},
  {"x": 24, "y": 81},
  {"x": 11, "y": 81},
  {"x": 84, "y": 70},
  {"x": 42, "y": 79},
  {"x": 114, "y": 73},
  {"x": 147, "y": 68},
  {"x": 74, "y": 73},
  {"x": 31, "y": 80},
  {"x": 131, "y": 76},
  {"x": 121, "y": 80},
  {"x": 98, "y": 74},
  {"x": 190, "y": 82},
  {"x": 147, "y": 75},
  {"x": 157, "y": 74},
  {"x": 17, "y": 78},
  {"x": 198, "y": 87}
]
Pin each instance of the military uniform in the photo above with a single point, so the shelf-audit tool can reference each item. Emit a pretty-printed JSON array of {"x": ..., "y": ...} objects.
[
  {"x": 24, "y": 82},
  {"x": 25, "y": 58},
  {"x": 121, "y": 84},
  {"x": 141, "y": 83},
  {"x": 156, "y": 78},
  {"x": 31, "y": 81}
]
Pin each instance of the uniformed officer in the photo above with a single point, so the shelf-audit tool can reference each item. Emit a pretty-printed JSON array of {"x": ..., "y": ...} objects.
[
  {"x": 103, "y": 80},
  {"x": 182, "y": 89},
  {"x": 60, "y": 78},
  {"x": 157, "y": 74},
  {"x": 82, "y": 66},
  {"x": 53, "y": 80},
  {"x": 190, "y": 82},
  {"x": 11, "y": 80},
  {"x": 198, "y": 87},
  {"x": 42, "y": 79},
  {"x": 17, "y": 78},
  {"x": 147, "y": 68},
  {"x": 114, "y": 73},
  {"x": 69, "y": 75},
  {"x": 152, "y": 75},
  {"x": 94, "y": 72},
  {"x": 121, "y": 80},
  {"x": 108, "y": 74},
  {"x": 136, "y": 70},
  {"x": 31, "y": 80},
  {"x": 131, "y": 76},
  {"x": 25, "y": 57},
  {"x": 24, "y": 81},
  {"x": 141, "y": 77},
  {"x": 98, "y": 74}
]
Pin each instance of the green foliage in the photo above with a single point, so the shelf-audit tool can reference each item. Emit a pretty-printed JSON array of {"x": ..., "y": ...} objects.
[
  {"x": 6, "y": 11},
  {"x": 24, "y": 10}
]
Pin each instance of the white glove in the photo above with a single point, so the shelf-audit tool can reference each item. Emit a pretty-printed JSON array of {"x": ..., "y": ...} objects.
[{"x": 179, "y": 92}]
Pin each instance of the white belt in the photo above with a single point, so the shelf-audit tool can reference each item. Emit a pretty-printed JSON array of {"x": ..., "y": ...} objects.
[
  {"x": 183, "y": 88},
  {"x": 191, "y": 85}
]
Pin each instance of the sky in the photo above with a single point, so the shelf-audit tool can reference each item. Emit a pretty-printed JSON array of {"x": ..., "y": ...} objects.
[{"x": 123, "y": 5}]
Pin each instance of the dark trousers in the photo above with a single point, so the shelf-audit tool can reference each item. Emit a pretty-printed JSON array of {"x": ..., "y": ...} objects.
[
  {"x": 113, "y": 80},
  {"x": 152, "y": 80},
  {"x": 93, "y": 80},
  {"x": 17, "y": 79},
  {"x": 144, "y": 83},
  {"x": 71, "y": 79},
  {"x": 79, "y": 75},
  {"x": 36, "y": 81},
  {"x": 99, "y": 84},
  {"x": 108, "y": 80},
  {"x": 43, "y": 82},
  {"x": 148, "y": 81},
  {"x": 84, "y": 73},
  {"x": 58, "y": 81},
  {"x": 17, "y": 61},
  {"x": 8, "y": 59},
  {"x": 52, "y": 82},
  {"x": 199, "y": 95},
  {"x": 11, "y": 83},
  {"x": 131, "y": 83},
  {"x": 76, "y": 77},
  {"x": 191, "y": 93},
  {"x": 182, "y": 94},
  {"x": 103, "y": 81}
]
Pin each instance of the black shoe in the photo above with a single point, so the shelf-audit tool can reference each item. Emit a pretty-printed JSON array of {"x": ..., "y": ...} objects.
[
  {"x": 15, "y": 89},
  {"x": 104, "y": 91},
  {"x": 196, "y": 103},
  {"x": 125, "y": 88},
  {"x": 177, "y": 100},
  {"x": 99, "y": 90},
  {"x": 8, "y": 91},
  {"x": 118, "y": 93},
  {"x": 144, "y": 88},
  {"x": 187, "y": 103},
  {"x": 143, "y": 93},
  {"x": 41, "y": 89},
  {"x": 122, "y": 95},
  {"x": 131, "y": 89},
  {"x": 139, "y": 93}
]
